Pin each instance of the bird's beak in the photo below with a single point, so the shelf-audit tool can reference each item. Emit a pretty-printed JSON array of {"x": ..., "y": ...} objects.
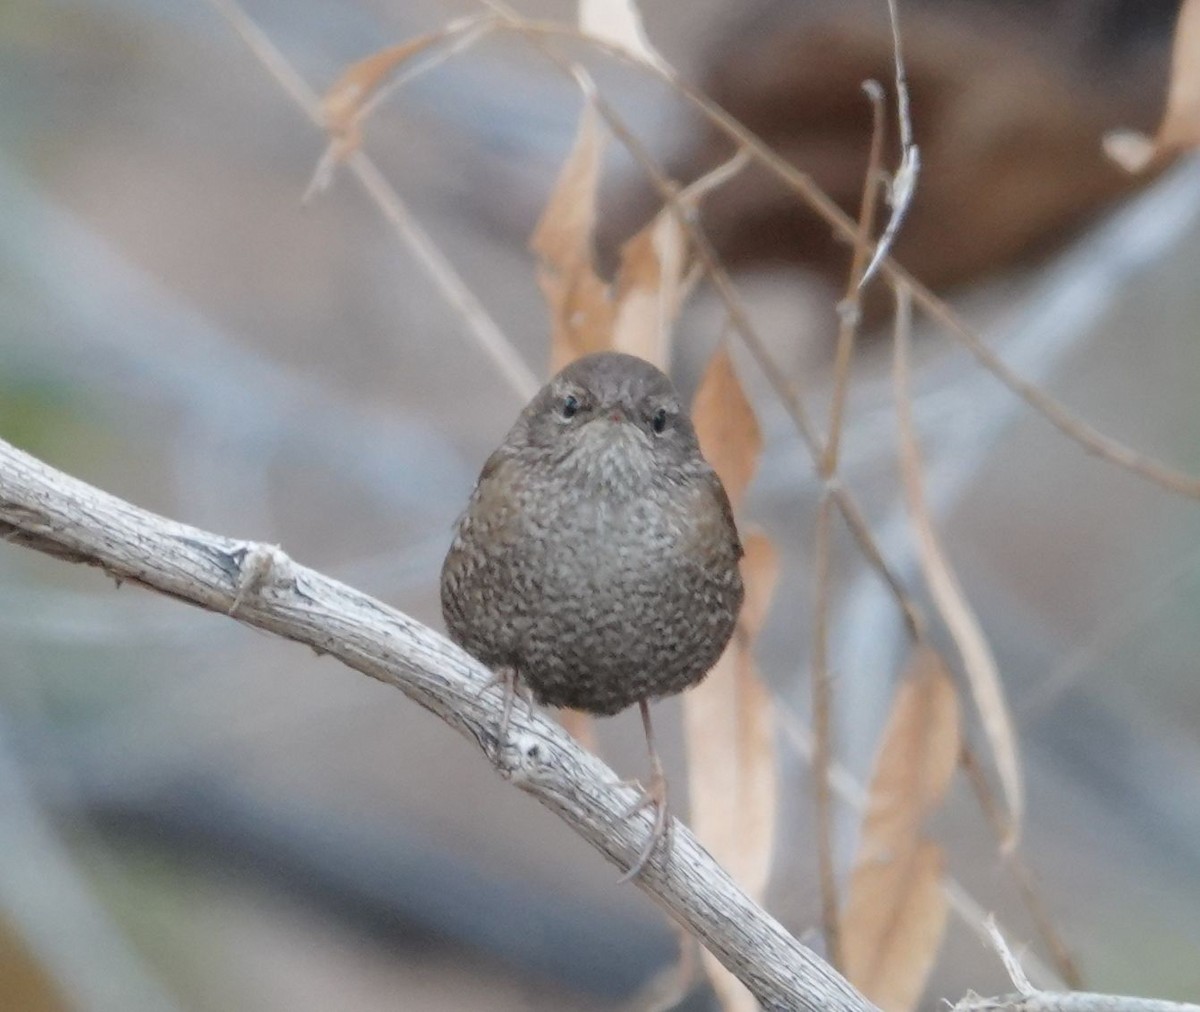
[{"x": 616, "y": 413}]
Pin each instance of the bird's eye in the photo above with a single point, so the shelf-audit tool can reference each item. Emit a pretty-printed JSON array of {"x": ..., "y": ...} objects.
[
  {"x": 658, "y": 421},
  {"x": 570, "y": 406}
]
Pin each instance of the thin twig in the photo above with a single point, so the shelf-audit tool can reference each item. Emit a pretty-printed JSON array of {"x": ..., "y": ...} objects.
[
  {"x": 822, "y": 705},
  {"x": 455, "y": 37},
  {"x": 51, "y": 512},
  {"x": 904, "y": 183},
  {"x": 1011, "y": 966},
  {"x": 460, "y": 35},
  {"x": 856, "y": 523},
  {"x": 1030, "y": 999},
  {"x": 849, "y": 312},
  {"x": 978, "y": 662},
  {"x": 1112, "y": 627},
  {"x": 1064, "y": 962},
  {"x": 822, "y": 688},
  {"x": 449, "y": 282}
]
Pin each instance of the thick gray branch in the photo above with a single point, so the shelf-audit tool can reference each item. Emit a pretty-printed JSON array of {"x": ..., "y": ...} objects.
[{"x": 52, "y": 512}]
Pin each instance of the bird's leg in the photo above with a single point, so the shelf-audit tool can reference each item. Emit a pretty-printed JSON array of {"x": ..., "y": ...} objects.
[
  {"x": 506, "y": 677},
  {"x": 654, "y": 796},
  {"x": 526, "y": 694}
]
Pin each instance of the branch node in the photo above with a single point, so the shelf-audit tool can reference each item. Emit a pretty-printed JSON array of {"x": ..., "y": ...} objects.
[
  {"x": 849, "y": 313},
  {"x": 523, "y": 760},
  {"x": 258, "y": 565}
]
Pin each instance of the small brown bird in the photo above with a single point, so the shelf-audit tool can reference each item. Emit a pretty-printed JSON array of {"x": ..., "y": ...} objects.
[{"x": 597, "y": 561}]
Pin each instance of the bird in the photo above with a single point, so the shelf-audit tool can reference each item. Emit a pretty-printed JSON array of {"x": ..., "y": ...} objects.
[{"x": 596, "y": 565}]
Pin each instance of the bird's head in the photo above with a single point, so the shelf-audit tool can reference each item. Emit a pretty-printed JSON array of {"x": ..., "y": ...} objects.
[{"x": 614, "y": 416}]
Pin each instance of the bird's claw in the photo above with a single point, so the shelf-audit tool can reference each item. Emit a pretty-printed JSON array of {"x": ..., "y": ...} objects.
[{"x": 654, "y": 796}]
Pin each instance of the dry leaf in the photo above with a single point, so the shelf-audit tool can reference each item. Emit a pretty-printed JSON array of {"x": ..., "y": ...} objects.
[
  {"x": 979, "y": 664},
  {"x": 580, "y": 307},
  {"x": 343, "y": 102},
  {"x": 636, "y": 314},
  {"x": 654, "y": 277},
  {"x": 726, "y": 425},
  {"x": 1180, "y": 127},
  {"x": 346, "y": 103},
  {"x": 895, "y": 909},
  {"x": 650, "y": 289},
  {"x": 620, "y": 23}
]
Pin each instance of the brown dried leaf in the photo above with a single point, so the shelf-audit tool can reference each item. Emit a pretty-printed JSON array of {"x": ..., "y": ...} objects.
[
  {"x": 650, "y": 289},
  {"x": 344, "y": 101},
  {"x": 635, "y": 314},
  {"x": 620, "y": 23},
  {"x": 727, "y": 426},
  {"x": 580, "y": 307},
  {"x": 895, "y": 975},
  {"x": 654, "y": 277},
  {"x": 1180, "y": 127},
  {"x": 728, "y": 724},
  {"x": 895, "y": 910}
]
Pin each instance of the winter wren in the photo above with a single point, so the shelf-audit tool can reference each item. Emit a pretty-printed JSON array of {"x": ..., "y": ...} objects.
[{"x": 597, "y": 561}]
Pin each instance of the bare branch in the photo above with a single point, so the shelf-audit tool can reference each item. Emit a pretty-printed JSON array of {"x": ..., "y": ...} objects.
[
  {"x": 822, "y": 757},
  {"x": 1064, "y": 962},
  {"x": 49, "y": 511},
  {"x": 1011, "y": 966}
]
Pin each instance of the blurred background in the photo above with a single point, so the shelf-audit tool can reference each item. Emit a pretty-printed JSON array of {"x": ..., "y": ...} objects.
[{"x": 195, "y": 816}]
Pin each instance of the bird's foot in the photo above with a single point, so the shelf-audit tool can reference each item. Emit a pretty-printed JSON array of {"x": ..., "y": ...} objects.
[
  {"x": 653, "y": 797},
  {"x": 511, "y": 687}
]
